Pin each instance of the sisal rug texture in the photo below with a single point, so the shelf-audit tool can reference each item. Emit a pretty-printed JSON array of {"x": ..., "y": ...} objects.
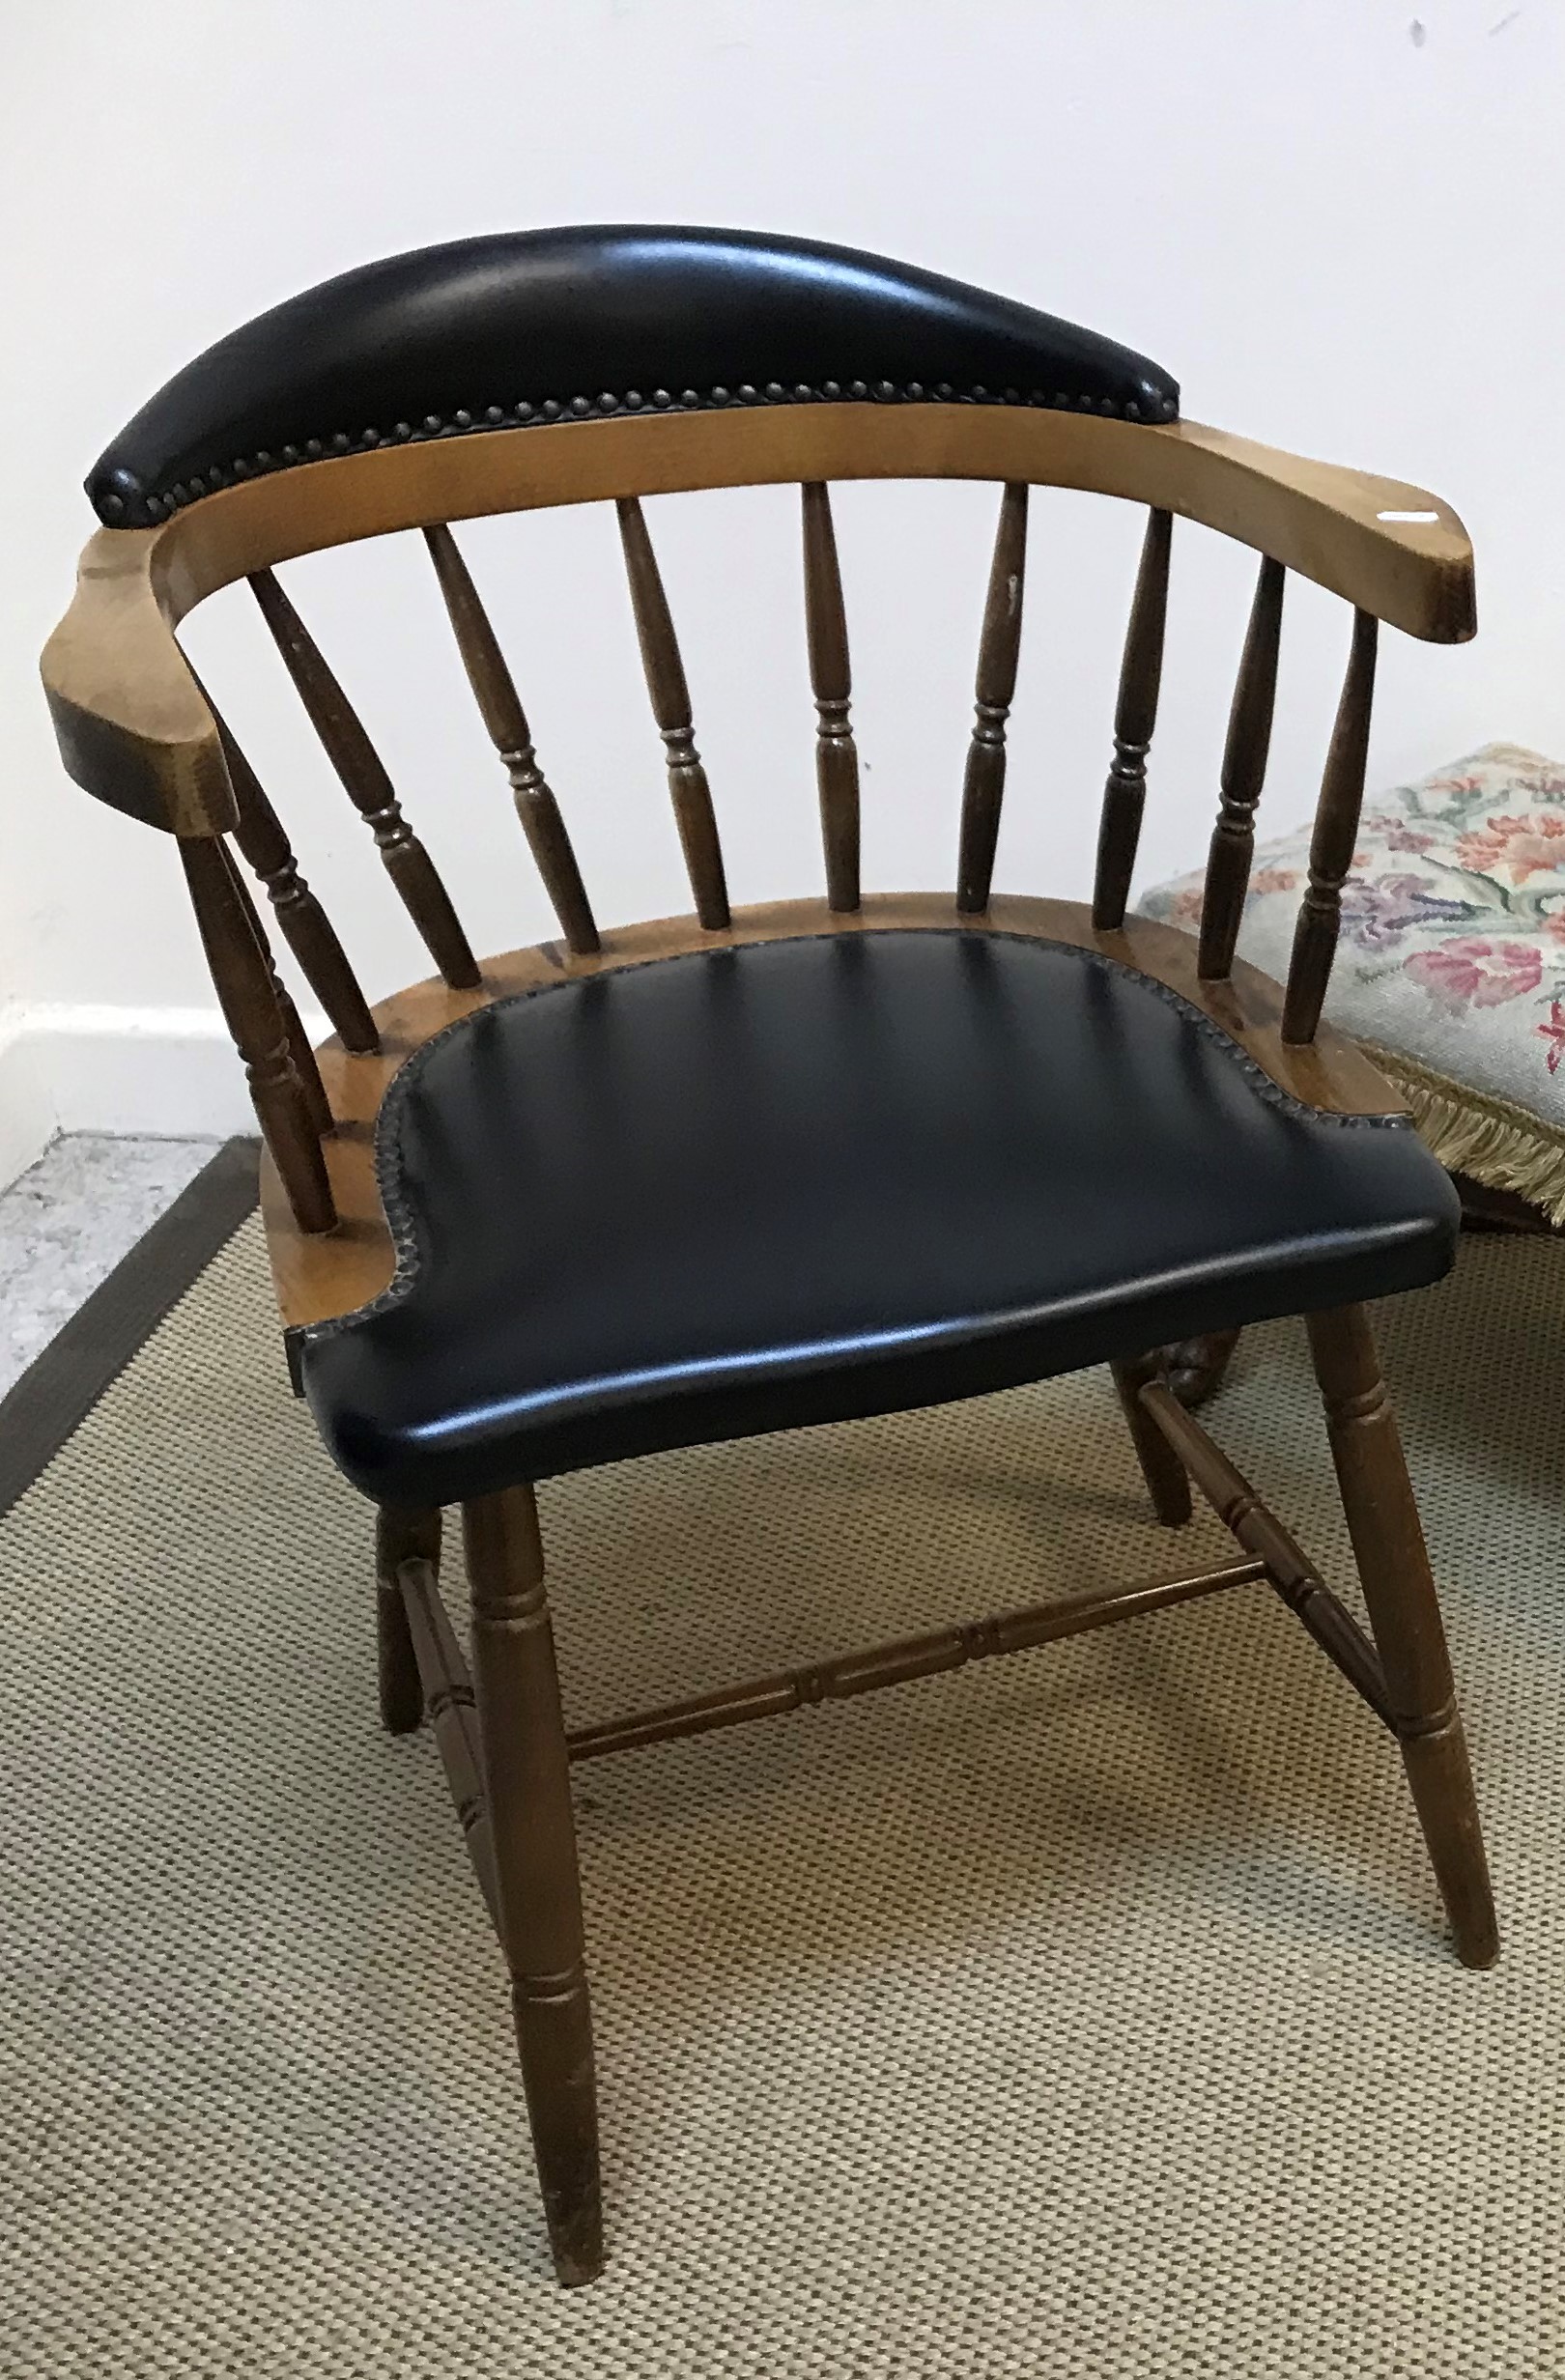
[{"x": 1084, "y": 2014}]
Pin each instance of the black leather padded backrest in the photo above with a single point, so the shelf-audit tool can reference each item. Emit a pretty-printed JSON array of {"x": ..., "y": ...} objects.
[{"x": 529, "y": 327}]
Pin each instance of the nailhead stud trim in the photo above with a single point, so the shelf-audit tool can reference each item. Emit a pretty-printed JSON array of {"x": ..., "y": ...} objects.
[{"x": 166, "y": 500}]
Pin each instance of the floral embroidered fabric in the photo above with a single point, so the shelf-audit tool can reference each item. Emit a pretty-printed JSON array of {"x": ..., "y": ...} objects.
[
  {"x": 1453, "y": 923},
  {"x": 1452, "y": 949}
]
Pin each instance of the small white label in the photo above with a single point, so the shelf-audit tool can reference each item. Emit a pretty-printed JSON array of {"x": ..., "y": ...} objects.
[{"x": 1406, "y": 516}]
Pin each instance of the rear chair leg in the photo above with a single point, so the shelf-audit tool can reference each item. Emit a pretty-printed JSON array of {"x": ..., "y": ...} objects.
[
  {"x": 1167, "y": 1480},
  {"x": 527, "y": 1788},
  {"x": 1198, "y": 1367},
  {"x": 1393, "y": 1569},
  {"x": 402, "y": 1534}
]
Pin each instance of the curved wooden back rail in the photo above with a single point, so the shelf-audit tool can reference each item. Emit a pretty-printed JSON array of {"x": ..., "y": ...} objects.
[{"x": 137, "y": 729}]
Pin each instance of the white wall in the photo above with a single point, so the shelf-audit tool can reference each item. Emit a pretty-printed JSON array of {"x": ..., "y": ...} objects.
[{"x": 1340, "y": 227}]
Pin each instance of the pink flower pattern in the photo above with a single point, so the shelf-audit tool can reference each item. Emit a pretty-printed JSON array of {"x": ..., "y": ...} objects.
[
  {"x": 1553, "y": 1032},
  {"x": 1457, "y": 972},
  {"x": 1521, "y": 847},
  {"x": 1481, "y": 927}
]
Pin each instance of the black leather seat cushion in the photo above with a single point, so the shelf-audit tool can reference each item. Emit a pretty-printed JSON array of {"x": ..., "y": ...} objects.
[{"x": 788, "y": 1182}]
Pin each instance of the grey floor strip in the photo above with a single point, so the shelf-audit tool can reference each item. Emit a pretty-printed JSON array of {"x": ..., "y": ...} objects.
[{"x": 56, "y": 1392}]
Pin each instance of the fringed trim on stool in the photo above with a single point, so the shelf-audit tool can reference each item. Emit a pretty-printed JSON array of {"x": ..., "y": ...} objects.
[{"x": 1473, "y": 1132}]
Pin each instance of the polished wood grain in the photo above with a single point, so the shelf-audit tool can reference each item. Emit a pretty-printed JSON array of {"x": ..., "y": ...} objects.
[
  {"x": 664, "y": 673},
  {"x": 307, "y": 930},
  {"x": 925, "y": 1656},
  {"x": 315, "y": 1281},
  {"x": 528, "y": 1792},
  {"x": 364, "y": 780},
  {"x": 246, "y": 986},
  {"x": 506, "y": 723},
  {"x": 401, "y": 1535},
  {"x": 132, "y": 728},
  {"x": 836, "y": 755},
  {"x": 301, "y": 1056},
  {"x": 1135, "y": 716},
  {"x": 994, "y": 691},
  {"x": 1404, "y": 1613},
  {"x": 1258, "y": 1529},
  {"x": 445, "y": 1690},
  {"x": 1243, "y": 775},
  {"x": 1331, "y": 845},
  {"x": 1167, "y": 1480}
]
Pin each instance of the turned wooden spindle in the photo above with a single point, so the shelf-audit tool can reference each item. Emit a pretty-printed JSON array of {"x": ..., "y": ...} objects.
[
  {"x": 836, "y": 757},
  {"x": 1331, "y": 846},
  {"x": 445, "y": 1692},
  {"x": 994, "y": 691},
  {"x": 364, "y": 780},
  {"x": 1258, "y": 1530},
  {"x": 1404, "y": 1613},
  {"x": 538, "y": 1893},
  {"x": 244, "y": 985},
  {"x": 500, "y": 708},
  {"x": 306, "y": 928},
  {"x": 1168, "y": 1483},
  {"x": 300, "y": 1052},
  {"x": 1244, "y": 772},
  {"x": 1135, "y": 717},
  {"x": 402, "y": 1534},
  {"x": 671, "y": 709},
  {"x": 850, "y": 1674}
]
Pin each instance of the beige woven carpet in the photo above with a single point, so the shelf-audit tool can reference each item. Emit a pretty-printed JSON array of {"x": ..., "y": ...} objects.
[{"x": 1084, "y": 2014}]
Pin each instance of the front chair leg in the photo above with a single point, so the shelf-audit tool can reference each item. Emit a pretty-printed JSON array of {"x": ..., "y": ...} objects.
[
  {"x": 527, "y": 1788},
  {"x": 402, "y": 1534},
  {"x": 1167, "y": 1480},
  {"x": 1393, "y": 1569}
]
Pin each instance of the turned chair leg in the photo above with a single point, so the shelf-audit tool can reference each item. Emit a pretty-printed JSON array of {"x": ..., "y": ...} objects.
[
  {"x": 1198, "y": 1367},
  {"x": 1166, "y": 1480},
  {"x": 527, "y": 1788},
  {"x": 401, "y": 1535},
  {"x": 1393, "y": 1569}
]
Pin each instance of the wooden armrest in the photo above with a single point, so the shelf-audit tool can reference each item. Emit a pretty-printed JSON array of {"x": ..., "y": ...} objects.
[
  {"x": 131, "y": 726},
  {"x": 1387, "y": 547},
  {"x": 134, "y": 728}
]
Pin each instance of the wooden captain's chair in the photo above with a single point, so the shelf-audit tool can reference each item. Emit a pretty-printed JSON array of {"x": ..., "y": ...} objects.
[{"x": 749, "y": 1169}]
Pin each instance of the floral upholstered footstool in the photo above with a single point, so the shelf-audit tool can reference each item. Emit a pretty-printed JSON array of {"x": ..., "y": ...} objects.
[
  {"x": 1450, "y": 968},
  {"x": 1450, "y": 975}
]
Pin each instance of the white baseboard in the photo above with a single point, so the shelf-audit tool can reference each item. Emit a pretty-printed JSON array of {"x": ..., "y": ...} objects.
[
  {"x": 28, "y": 1121},
  {"x": 168, "y": 1073}
]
